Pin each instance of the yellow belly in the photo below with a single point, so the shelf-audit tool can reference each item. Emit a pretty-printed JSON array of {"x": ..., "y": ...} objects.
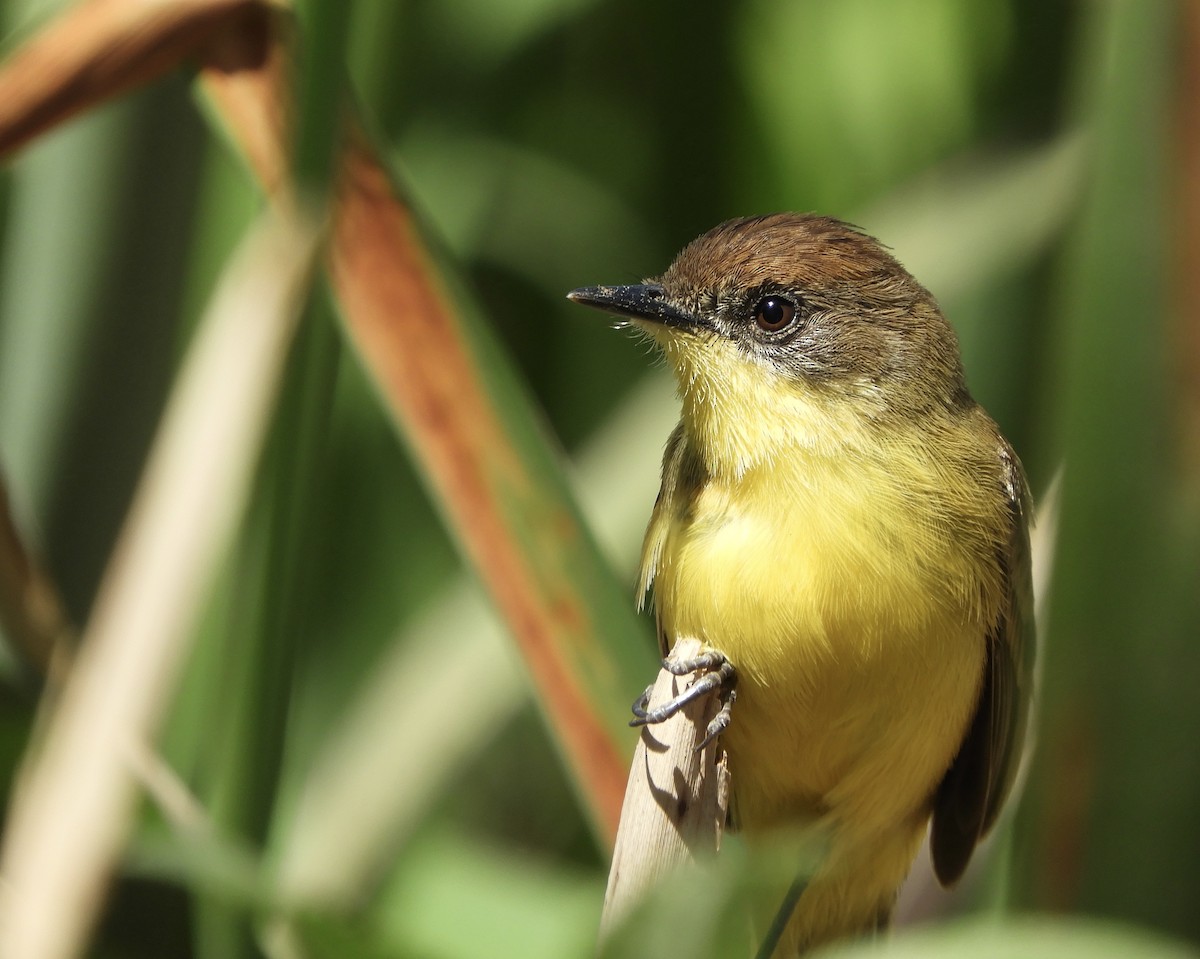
[
  {"x": 857, "y": 667},
  {"x": 857, "y": 632}
]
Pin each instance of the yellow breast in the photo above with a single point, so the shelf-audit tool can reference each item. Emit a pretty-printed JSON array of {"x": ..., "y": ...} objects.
[{"x": 854, "y": 621}]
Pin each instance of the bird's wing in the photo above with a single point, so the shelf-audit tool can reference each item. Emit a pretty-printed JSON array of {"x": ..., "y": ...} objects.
[
  {"x": 974, "y": 788},
  {"x": 660, "y": 525}
]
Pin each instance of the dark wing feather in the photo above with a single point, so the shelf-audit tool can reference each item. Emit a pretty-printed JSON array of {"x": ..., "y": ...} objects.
[{"x": 970, "y": 796}]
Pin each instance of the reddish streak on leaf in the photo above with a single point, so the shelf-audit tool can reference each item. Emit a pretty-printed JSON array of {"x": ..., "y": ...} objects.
[
  {"x": 100, "y": 49},
  {"x": 410, "y": 340},
  {"x": 1187, "y": 277},
  {"x": 406, "y": 333},
  {"x": 246, "y": 72}
]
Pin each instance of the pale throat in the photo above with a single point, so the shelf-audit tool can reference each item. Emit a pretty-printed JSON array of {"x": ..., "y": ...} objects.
[{"x": 739, "y": 415}]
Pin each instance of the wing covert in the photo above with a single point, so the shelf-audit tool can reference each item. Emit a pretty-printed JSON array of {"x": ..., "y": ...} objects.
[{"x": 974, "y": 789}]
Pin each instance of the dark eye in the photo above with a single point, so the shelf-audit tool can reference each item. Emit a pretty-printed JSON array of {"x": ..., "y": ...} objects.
[{"x": 773, "y": 313}]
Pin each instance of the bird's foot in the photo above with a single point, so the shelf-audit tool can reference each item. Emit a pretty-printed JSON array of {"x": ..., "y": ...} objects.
[{"x": 719, "y": 674}]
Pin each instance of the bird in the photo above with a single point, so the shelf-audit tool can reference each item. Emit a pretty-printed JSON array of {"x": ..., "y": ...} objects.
[{"x": 846, "y": 531}]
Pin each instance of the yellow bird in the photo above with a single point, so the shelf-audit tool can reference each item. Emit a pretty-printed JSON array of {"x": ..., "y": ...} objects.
[{"x": 845, "y": 530}]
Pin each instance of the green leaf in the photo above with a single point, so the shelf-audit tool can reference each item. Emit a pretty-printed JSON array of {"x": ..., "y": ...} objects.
[{"x": 1022, "y": 938}]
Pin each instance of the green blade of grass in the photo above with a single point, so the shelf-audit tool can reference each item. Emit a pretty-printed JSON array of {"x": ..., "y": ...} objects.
[
  {"x": 68, "y": 820},
  {"x": 1111, "y": 826},
  {"x": 489, "y": 463}
]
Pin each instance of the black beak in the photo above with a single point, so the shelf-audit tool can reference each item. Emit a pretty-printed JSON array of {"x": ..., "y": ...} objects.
[{"x": 643, "y": 301}]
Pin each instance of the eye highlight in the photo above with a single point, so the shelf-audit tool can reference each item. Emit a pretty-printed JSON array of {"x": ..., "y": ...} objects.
[{"x": 774, "y": 313}]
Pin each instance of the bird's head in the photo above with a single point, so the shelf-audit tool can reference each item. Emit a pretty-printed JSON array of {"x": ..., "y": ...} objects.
[{"x": 791, "y": 329}]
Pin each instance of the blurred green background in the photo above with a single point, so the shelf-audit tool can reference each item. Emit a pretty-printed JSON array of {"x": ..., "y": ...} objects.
[{"x": 1020, "y": 156}]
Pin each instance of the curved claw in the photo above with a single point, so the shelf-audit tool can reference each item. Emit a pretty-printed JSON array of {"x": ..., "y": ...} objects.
[
  {"x": 721, "y": 676},
  {"x": 639, "y": 705},
  {"x": 721, "y": 721}
]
